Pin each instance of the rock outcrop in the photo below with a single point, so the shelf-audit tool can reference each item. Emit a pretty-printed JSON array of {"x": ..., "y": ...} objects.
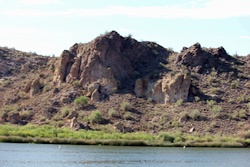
[
  {"x": 168, "y": 89},
  {"x": 109, "y": 61},
  {"x": 204, "y": 59}
]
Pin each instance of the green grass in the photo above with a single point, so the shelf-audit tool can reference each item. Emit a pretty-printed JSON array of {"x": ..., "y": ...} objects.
[{"x": 50, "y": 134}]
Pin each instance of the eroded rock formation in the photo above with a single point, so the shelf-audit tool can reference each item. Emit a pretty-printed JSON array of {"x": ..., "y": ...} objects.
[
  {"x": 204, "y": 59},
  {"x": 168, "y": 89},
  {"x": 109, "y": 61}
]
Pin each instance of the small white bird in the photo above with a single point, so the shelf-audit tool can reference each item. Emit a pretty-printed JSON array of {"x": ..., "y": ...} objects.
[
  {"x": 59, "y": 146},
  {"x": 184, "y": 147}
]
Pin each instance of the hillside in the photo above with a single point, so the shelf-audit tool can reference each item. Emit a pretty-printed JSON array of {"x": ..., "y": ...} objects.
[{"x": 128, "y": 86}]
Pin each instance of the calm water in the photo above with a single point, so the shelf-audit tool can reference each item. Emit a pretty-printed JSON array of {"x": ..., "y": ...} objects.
[{"x": 41, "y": 155}]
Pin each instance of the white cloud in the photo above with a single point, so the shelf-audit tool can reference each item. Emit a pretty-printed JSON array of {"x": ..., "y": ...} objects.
[
  {"x": 210, "y": 9},
  {"x": 38, "y": 2}
]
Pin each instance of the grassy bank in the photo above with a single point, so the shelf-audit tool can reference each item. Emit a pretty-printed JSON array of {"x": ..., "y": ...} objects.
[{"x": 51, "y": 135}]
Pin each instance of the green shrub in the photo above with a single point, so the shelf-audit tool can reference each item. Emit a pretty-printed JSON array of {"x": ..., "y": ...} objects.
[
  {"x": 234, "y": 84},
  {"x": 230, "y": 100},
  {"x": 96, "y": 117},
  {"x": 179, "y": 102},
  {"x": 213, "y": 124},
  {"x": 76, "y": 84},
  {"x": 216, "y": 91},
  {"x": 196, "y": 98},
  {"x": 211, "y": 102},
  {"x": 243, "y": 114},
  {"x": 127, "y": 116},
  {"x": 235, "y": 115},
  {"x": 126, "y": 106},
  {"x": 113, "y": 113},
  {"x": 65, "y": 111},
  {"x": 166, "y": 137},
  {"x": 81, "y": 101},
  {"x": 46, "y": 88},
  {"x": 195, "y": 115},
  {"x": 216, "y": 108}
]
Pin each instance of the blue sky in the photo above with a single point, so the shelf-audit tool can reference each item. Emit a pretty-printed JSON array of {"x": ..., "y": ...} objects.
[{"x": 49, "y": 26}]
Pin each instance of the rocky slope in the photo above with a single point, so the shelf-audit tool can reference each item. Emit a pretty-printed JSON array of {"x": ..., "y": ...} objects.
[{"x": 135, "y": 86}]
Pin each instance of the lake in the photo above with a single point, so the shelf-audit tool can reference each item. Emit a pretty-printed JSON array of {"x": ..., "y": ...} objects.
[{"x": 45, "y": 155}]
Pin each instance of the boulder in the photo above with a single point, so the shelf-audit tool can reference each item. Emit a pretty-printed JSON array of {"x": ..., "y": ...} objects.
[
  {"x": 168, "y": 89},
  {"x": 27, "y": 86},
  {"x": 35, "y": 87},
  {"x": 95, "y": 96}
]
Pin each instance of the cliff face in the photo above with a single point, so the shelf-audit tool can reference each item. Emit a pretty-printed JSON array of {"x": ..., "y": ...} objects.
[{"x": 116, "y": 63}]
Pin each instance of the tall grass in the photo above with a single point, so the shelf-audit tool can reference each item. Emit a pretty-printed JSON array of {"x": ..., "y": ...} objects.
[{"x": 49, "y": 134}]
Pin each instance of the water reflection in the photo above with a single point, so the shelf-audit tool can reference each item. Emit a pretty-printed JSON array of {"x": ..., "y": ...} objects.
[{"x": 36, "y": 155}]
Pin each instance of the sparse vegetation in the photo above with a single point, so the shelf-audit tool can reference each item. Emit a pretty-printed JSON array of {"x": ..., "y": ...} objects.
[
  {"x": 179, "y": 102},
  {"x": 81, "y": 101},
  {"x": 195, "y": 114},
  {"x": 113, "y": 113},
  {"x": 96, "y": 117},
  {"x": 126, "y": 106}
]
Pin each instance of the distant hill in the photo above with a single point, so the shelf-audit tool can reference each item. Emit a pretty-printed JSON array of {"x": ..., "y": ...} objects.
[{"x": 115, "y": 82}]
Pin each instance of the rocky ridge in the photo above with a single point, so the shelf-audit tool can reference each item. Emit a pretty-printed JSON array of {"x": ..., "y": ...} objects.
[{"x": 203, "y": 89}]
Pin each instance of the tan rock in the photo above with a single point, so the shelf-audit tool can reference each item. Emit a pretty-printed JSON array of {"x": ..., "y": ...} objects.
[
  {"x": 35, "y": 87},
  {"x": 95, "y": 96},
  {"x": 27, "y": 87},
  {"x": 168, "y": 89}
]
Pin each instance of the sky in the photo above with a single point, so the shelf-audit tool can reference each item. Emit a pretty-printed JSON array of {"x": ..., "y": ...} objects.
[{"x": 48, "y": 27}]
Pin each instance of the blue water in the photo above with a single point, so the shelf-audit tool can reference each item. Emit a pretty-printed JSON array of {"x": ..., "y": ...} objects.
[{"x": 43, "y": 155}]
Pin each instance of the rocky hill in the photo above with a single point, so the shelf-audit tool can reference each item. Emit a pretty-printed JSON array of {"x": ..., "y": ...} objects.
[{"x": 116, "y": 83}]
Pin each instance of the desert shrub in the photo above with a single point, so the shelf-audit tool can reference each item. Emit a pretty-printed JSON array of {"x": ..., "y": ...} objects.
[
  {"x": 166, "y": 137},
  {"x": 243, "y": 114},
  {"x": 216, "y": 91},
  {"x": 126, "y": 106},
  {"x": 76, "y": 84},
  {"x": 65, "y": 111},
  {"x": 230, "y": 100},
  {"x": 243, "y": 98},
  {"x": 184, "y": 116},
  {"x": 113, "y": 113},
  {"x": 247, "y": 85},
  {"x": 81, "y": 101},
  {"x": 234, "y": 84},
  {"x": 211, "y": 102},
  {"x": 150, "y": 100},
  {"x": 25, "y": 114},
  {"x": 213, "y": 124},
  {"x": 179, "y": 102},
  {"x": 46, "y": 88},
  {"x": 235, "y": 115},
  {"x": 96, "y": 117},
  {"x": 23, "y": 94},
  {"x": 196, "y": 98},
  {"x": 195, "y": 115},
  {"x": 127, "y": 116},
  {"x": 216, "y": 108}
]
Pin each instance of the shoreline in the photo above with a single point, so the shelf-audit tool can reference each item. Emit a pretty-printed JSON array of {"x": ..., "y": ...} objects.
[{"x": 121, "y": 142}]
